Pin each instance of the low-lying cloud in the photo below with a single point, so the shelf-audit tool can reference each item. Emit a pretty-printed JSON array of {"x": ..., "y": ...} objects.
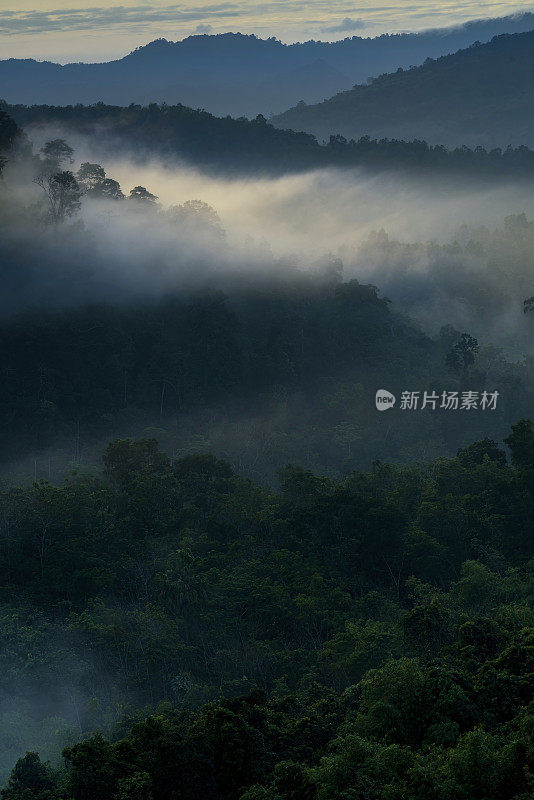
[
  {"x": 440, "y": 251},
  {"x": 347, "y": 25}
]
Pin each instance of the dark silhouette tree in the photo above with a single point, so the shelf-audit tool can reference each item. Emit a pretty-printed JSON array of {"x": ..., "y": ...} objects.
[
  {"x": 29, "y": 779},
  {"x": 521, "y": 444},
  {"x": 57, "y": 153},
  {"x": 462, "y": 355},
  {"x": 63, "y": 195},
  {"x": 140, "y": 194},
  {"x": 92, "y": 178},
  {"x": 8, "y": 134},
  {"x": 478, "y": 452}
]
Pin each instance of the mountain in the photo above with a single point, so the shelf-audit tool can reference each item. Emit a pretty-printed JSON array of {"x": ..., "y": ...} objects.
[
  {"x": 236, "y": 74},
  {"x": 482, "y": 95}
]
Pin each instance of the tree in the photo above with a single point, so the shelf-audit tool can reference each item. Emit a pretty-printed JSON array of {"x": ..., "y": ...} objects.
[
  {"x": 195, "y": 215},
  {"x": 109, "y": 190},
  {"x": 29, "y": 780},
  {"x": 63, "y": 195},
  {"x": 135, "y": 787},
  {"x": 92, "y": 177},
  {"x": 521, "y": 444},
  {"x": 463, "y": 354},
  {"x": 124, "y": 459},
  {"x": 8, "y": 134},
  {"x": 92, "y": 769},
  {"x": 141, "y": 195},
  {"x": 56, "y": 153},
  {"x": 291, "y": 782},
  {"x": 477, "y": 452}
]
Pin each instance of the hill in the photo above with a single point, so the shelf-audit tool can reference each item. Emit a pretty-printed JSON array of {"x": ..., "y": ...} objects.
[
  {"x": 482, "y": 95},
  {"x": 244, "y": 147},
  {"x": 236, "y": 74}
]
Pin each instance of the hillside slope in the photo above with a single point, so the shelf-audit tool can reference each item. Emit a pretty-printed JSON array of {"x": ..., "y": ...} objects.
[
  {"x": 236, "y": 74},
  {"x": 483, "y": 95}
]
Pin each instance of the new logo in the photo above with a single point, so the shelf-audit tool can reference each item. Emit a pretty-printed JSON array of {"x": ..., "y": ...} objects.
[{"x": 384, "y": 400}]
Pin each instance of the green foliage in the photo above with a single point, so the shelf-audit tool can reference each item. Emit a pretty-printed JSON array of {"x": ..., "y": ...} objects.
[
  {"x": 521, "y": 444},
  {"x": 140, "y": 194},
  {"x": 30, "y": 780},
  {"x": 171, "y": 583}
]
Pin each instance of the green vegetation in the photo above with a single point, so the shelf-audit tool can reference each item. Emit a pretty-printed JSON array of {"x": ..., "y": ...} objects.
[
  {"x": 196, "y": 621},
  {"x": 373, "y": 634},
  {"x": 282, "y": 372}
]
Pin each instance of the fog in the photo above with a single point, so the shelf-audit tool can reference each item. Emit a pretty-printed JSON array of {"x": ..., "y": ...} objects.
[
  {"x": 325, "y": 210},
  {"x": 411, "y": 238},
  {"x": 443, "y": 251},
  {"x": 388, "y": 229}
]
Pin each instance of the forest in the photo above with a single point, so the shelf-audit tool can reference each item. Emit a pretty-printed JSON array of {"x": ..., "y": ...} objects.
[
  {"x": 363, "y": 637},
  {"x": 270, "y": 366},
  {"x": 253, "y": 147},
  {"x": 224, "y": 573}
]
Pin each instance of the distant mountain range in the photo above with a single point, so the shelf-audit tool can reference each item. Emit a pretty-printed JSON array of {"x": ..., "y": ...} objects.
[
  {"x": 483, "y": 95},
  {"x": 236, "y": 74}
]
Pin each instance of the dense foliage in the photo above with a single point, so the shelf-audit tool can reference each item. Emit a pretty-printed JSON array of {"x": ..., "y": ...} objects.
[
  {"x": 378, "y": 626},
  {"x": 285, "y": 371},
  {"x": 279, "y": 364},
  {"x": 250, "y": 146},
  {"x": 184, "y": 632}
]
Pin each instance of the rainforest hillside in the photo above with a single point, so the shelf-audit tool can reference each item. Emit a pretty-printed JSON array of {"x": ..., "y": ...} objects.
[
  {"x": 372, "y": 635},
  {"x": 227, "y": 572}
]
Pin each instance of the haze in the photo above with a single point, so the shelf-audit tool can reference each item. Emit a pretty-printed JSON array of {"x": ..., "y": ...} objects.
[
  {"x": 387, "y": 229},
  {"x": 66, "y": 30}
]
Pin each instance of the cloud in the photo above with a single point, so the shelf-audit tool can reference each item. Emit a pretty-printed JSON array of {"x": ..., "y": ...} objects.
[
  {"x": 348, "y": 24},
  {"x": 203, "y": 28},
  {"x": 26, "y": 22}
]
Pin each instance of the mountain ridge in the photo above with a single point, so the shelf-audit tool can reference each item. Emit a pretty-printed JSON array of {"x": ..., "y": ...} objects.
[
  {"x": 234, "y": 73},
  {"x": 482, "y": 95}
]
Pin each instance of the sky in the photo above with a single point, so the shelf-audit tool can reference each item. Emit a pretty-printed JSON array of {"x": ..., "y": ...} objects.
[{"x": 67, "y": 30}]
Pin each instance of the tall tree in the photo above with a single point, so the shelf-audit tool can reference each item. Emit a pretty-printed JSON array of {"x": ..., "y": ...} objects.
[{"x": 62, "y": 195}]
